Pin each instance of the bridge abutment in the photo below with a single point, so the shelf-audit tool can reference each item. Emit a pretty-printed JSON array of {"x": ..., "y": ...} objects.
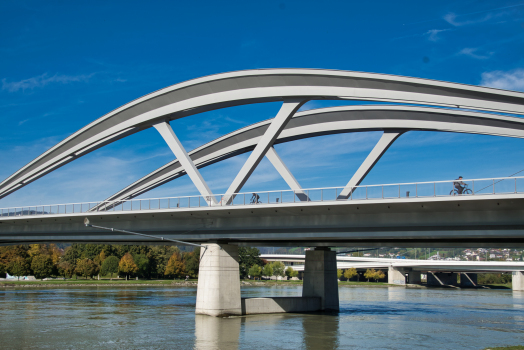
[
  {"x": 218, "y": 292},
  {"x": 320, "y": 277},
  {"x": 517, "y": 280}
]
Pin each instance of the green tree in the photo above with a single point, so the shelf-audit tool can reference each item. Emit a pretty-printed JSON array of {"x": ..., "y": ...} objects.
[
  {"x": 339, "y": 273},
  {"x": 192, "y": 261},
  {"x": 85, "y": 267},
  {"x": 109, "y": 266},
  {"x": 248, "y": 257},
  {"x": 127, "y": 265},
  {"x": 267, "y": 270},
  {"x": 278, "y": 269},
  {"x": 175, "y": 266},
  {"x": 289, "y": 272},
  {"x": 66, "y": 269},
  {"x": 255, "y": 271},
  {"x": 350, "y": 273},
  {"x": 18, "y": 267},
  {"x": 369, "y": 274},
  {"x": 42, "y": 266},
  {"x": 142, "y": 262}
]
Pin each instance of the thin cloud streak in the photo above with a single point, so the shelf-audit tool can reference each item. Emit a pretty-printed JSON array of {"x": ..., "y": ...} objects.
[
  {"x": 507, "y": 80},
  {"x": 42, "y": 81}
]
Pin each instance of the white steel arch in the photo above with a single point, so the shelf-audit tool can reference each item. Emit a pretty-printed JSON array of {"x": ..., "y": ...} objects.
[
  {"x": 293, "y": 86},
  {"x": 393, "y": 120}
]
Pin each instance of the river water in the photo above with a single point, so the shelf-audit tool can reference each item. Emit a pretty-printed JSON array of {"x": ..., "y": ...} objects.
[{"x": 163, "y": 318}]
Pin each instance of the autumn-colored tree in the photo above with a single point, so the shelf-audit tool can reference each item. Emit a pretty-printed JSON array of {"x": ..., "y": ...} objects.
[
  {"x": 66, "y": 269},
  {"x": 18, "y": 267},
  {"x": 34, "y": 249},
  {"x": 369, "y": 274},
  {"x": 289, "y": 272},
  {"x": 85, "y": 267},
  {"x": 42, "y": 266},
  {"x": 127, "y": 265},
  {"x": 379, "y": 275},
  {"x": 175, "y": 266},
  {"x": 339, "y": 273},
  {"x": 350, "y": 273}
]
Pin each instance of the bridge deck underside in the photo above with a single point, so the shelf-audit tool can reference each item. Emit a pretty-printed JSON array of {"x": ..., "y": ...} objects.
[{"x": 466, "y": 221}]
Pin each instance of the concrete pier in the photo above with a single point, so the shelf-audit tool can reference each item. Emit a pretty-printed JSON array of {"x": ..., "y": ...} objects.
[
  {"x": 517, "y": 280},
  {"x": 218, "y": 292},
  {"x": 442, "y": 279},
  {"x": 396, "y": 275},
  {"x": 468, "y": 280},
  {"x": 320, "y": 277}
]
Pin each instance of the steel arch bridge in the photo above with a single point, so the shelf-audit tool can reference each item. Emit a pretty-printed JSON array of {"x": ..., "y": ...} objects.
[
  {"x": 442, "y": 106},
  {"x": 293, "y": 87}
]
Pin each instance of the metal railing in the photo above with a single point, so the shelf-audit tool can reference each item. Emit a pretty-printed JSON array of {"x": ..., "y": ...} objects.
[{"x": 476, "y": 187}]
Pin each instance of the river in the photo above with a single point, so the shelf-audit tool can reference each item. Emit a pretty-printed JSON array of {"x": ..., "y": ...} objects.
[{"x": 163, "y": 318}]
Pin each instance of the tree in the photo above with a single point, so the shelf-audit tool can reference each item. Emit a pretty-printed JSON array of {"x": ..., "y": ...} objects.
[
  {"x": 350, "y": 273},
  {"x": 289, "y": 272},
  {"x": 85, "y": 267},
  {"x": 192, "y": 261},
  {"x": 142, "y": 262},
  {"x": 109, "y": 266},
  {"x": 278, "y": 269},
  {"x": 66, "y": 269},
  {"x": 379, "y": 275},
  {"x": 248, "y": 257},
  {"x": 175, "y": 266},
  {"x": 339, "y": 273},
  {"x": 127, "y": 265},
  {"x": 18, "y": 267},
  {"x": 370, "y": 273},
  {"x": 267, "y": 270},
  {"x": 42, "y": 266},
  {"x": 255, "y": 271}
]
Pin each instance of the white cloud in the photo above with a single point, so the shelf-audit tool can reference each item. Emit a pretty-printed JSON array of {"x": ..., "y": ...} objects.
[
  {"x": 433, "y": 34},
  {"x": 451, "y": 18},
  {"x": 471, "y": 52},
  {"x": 507, "y": 80},
  {"x": 42, "y": 80}
]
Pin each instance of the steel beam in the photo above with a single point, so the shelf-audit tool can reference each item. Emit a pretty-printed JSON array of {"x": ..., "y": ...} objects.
[
  {"x": 180, "y": 153},
  {"x": 288, "y": 109},
  {"x": 283, "y": 170},
  {"x": 373, "y": 157}
]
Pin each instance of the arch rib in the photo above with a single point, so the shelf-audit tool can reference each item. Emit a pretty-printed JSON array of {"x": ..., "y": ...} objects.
[{"x": 255, "y": 86}]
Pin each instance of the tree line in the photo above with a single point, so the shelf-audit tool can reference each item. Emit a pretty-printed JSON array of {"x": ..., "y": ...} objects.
[
  {"x": 370, "y": 274},
  {"x": 88, "y": 260}
]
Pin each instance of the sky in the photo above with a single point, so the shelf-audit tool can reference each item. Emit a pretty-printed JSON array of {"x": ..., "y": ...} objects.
[{"x": 65, "y": 64}]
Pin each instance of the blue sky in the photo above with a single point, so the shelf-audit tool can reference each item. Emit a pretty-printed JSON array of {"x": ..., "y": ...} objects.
[{"x": 65, "y": 64}]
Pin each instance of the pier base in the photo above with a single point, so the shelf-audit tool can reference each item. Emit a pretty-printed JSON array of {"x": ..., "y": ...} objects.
[
  {"x": 468, "y": 280},
  {"x": 218, "y": 292},
  {"x": 320, "y": 277},
  {"x": 517, "y": 280},
  {"x": 396, "y": 275}
]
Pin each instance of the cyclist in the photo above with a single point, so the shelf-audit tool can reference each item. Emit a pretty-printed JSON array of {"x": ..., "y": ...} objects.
[
  {"x": 459, "y": 185},
  {"x": 255, "y": 198}
]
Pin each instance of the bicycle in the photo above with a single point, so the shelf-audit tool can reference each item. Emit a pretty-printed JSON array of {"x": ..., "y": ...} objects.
[
  {"x": 465, "y": 190},
  {"x": 255, "y": 199}
]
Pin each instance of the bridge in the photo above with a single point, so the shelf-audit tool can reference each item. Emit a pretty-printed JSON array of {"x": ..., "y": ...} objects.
[
  {"x": 414, "y": 214},
  {"x": 403, "y": 271}
]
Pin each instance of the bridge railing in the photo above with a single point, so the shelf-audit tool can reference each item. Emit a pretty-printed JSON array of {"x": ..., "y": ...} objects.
[{"x": 475, "y": 187}]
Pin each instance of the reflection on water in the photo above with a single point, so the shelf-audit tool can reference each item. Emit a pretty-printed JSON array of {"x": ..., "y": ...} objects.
[{"x": 163, "y": 318}]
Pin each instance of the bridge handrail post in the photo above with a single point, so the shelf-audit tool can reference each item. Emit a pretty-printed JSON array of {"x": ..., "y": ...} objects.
[
  {"x": 294, "y": 195},
  {"x": 434, "y": 189},
  {"x": 473, "y": 186},
  {"x": 416, "y": 190},
  {"x": 493, "y": 186},
  {"x": 149, "y": 204},
  {"x": 399, "y": 191},
  {"x": 336, "y": 193},
  {"x": 515, "y": 185},
  {"x": 321, "y": 195},
  {"x": 281, "y": 196},
  {"x": 382, "y": 191},
  {"x": 268, "y": 198}
]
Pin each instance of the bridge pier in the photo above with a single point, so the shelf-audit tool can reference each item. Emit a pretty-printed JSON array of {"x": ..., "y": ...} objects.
[
  {"x": 396, "y": 275},
  {"x": 468, "y": 280},
  {"x": 218, "y": 291},
  {"x": 517, "y": 280},
  {"x": 320, "y": 277}
]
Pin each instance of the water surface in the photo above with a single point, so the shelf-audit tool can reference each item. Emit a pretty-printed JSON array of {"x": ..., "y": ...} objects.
[{"x": 163, "y": 318}]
